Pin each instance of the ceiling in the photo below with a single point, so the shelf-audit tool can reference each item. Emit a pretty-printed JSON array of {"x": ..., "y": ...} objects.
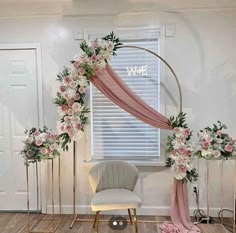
[{"x": 95, "y": 7}]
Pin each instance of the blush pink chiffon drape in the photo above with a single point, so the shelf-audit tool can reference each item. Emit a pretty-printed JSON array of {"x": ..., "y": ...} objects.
[{"x": 111, "y": 85}]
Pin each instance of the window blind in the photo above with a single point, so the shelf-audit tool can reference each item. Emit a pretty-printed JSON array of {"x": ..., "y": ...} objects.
[{"x": 115, "y": 134}]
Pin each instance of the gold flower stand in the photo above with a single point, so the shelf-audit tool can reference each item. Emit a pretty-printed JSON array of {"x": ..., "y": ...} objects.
[
  {"x": 222, "y": 175},
  {"x": 54, "y": 219}
]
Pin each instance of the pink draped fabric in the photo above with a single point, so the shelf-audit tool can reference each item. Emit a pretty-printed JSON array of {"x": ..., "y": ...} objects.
[
  {"x": 181, "y": 222},
  {"x": 109, "y": 83}
]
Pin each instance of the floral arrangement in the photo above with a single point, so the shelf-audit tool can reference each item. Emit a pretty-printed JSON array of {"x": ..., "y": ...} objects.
[
  {"x": 215, "y": 143},
  {"x": 70, "y": 98},
  {"x": 180, "y": 149},
  {"x": 40, "y": 144}
]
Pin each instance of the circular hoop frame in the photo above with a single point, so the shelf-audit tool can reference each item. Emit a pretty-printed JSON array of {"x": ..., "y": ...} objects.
[{"x": 166, "y": 63}]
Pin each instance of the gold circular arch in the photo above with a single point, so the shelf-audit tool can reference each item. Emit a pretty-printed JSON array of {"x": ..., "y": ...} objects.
[{"x": 166, "y": 63}]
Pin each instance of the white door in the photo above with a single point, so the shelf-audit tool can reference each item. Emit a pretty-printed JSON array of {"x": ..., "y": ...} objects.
[{"x": 18, "y": 111}]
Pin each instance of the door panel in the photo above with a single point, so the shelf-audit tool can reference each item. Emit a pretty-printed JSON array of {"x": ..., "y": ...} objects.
[{"x": 18, "y": 111}]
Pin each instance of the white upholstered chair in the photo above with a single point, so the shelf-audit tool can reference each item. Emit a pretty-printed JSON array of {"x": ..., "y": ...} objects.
[{"x": 113, "y": 183}]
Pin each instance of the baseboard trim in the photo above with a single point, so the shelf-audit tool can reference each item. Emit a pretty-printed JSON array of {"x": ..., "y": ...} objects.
[{"x": 144, "y": 210}]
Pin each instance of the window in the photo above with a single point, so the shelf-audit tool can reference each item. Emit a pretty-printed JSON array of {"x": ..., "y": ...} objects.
[{"x": 115, "y": 134}]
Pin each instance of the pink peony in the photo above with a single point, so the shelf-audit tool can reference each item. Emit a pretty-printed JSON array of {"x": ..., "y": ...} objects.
[
  {"x": 229, "y": 148},
  {"x": 76, "y": 64},
  {"x": 77, "y": 96},
  {"x": 64, "y": 108},
  {"x": 76, "y": 106},
  {"x": 67, "y": 79},
  {"x": 81, "y": 71},
  {"x": 39, "y": 142}
]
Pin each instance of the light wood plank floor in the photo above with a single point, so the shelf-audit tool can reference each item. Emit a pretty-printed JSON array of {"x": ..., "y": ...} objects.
[{"x": 17, "y": 223}]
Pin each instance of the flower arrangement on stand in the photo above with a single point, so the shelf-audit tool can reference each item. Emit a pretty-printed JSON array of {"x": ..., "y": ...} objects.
[
  {"x": 215, "y": 143},
  {"x": 180, "y": 149},
  {"x": 40, "y": 144},
  {"x": 74, "y": 80}
]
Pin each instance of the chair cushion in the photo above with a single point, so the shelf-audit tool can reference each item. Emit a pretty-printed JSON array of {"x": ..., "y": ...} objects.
[{"x": 115, "y": 199}]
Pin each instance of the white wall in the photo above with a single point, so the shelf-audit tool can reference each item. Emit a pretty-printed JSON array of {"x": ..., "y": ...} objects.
[{"x": 203, "y": 54}]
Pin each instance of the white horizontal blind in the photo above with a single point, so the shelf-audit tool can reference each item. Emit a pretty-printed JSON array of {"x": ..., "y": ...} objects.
[{"x": 114, "y": 132}]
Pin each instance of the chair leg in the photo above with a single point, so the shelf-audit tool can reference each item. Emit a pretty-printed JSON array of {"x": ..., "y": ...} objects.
[
  {"x": 135, "y": 221},
  {"x": 95, "y": 220},
  {"x": 130, "y": 217}
]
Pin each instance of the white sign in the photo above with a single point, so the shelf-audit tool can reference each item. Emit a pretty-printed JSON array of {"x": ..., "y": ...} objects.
[{"x": 137, "y": 70}]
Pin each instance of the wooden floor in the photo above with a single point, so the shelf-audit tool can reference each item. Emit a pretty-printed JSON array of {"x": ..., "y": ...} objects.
[{"x": 17, "y": 223}]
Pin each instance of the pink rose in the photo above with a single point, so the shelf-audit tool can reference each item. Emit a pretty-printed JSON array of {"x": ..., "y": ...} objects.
[
  {"x": 216, "y": 154},
  {"x": 52, "y": 147},
  {"x": 72, "y": 84},
  {"x": 76, "y": 64},
  {"x": 76, "y": 106},
  {"x": 62, "y": 88},
  {"x": 205, "y": 144},
  {"x": 62, "y": 128},
  {"x": 219, "y": 133},
  {"x": 230, "y": 139},
  {"x": 77, "y": 96},
  {"x": 71, "y": 134},
  {"x": 174, "y": 152},
  {"x": 39, "y": 142},
  {"x": 66, "y": 96},
  {"x": 78, "y": 126},
  {"x": 64, "y": 108},
  {"x": 209, "y": 139},
  {"x": 67, "y": 79},
  {"x": 70, "y": 103},
  {"x": 48, "y": 136},
  {"x": 219, "y": 141},
  {"x": 181, "y": 149},
  {"x": 110, "y": 46},
  {"x": 36, "y": 133},
  {"x": 66, "y": 119},
  {"x": 229, "y": 148},
  {"x": 82, "y": 89},
  {"x": 81, "y": 71},
  {"x": 186, "y": 132},
  {"x": 94, "y": 57},
  {"x": 69, "y": 111},
  {"x": 95, "y": 44},
  {"x": 183, "y": 169},
  {"x": 187, "y": 152},
  {"x": 30, "y": 140},
  {"x": 68, "y": 127},
  {"x": 176, "y": 130},
  {"x": 44, "y": 151}
]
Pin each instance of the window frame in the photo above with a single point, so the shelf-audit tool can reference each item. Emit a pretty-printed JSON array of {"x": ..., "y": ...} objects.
[{"x": 160, "y": 160}]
